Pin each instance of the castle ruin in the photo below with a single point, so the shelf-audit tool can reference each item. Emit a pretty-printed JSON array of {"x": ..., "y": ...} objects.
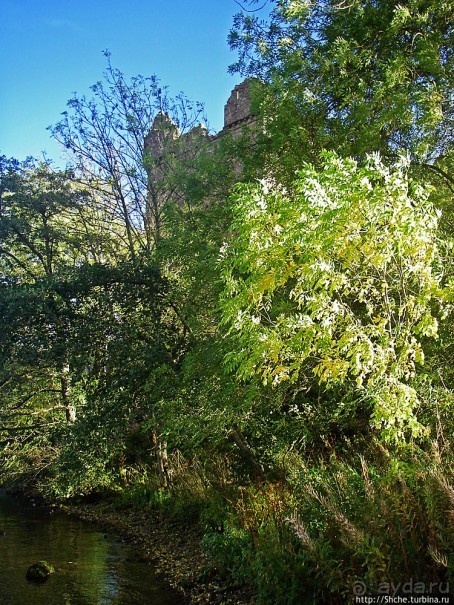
[
  {"x": 165, "y": 143},
  {"x": 237, "y": 115},
  {"x": 237, "y": 110}
]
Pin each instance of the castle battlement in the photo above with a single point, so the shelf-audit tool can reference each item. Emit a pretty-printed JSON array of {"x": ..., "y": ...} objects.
[
  {"x": 238, "y": 107},
  {"x": 165, "y": 141}
]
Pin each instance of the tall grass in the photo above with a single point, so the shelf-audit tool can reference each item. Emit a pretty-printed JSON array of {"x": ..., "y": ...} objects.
[{"x": 333, "y": 524}]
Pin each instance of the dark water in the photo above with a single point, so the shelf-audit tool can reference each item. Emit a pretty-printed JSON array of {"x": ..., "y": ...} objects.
[{"x": 91, "y": 568}]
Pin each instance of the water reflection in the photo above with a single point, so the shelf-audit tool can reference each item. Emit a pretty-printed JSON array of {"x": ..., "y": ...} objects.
[{"x": 91, "y": 568}]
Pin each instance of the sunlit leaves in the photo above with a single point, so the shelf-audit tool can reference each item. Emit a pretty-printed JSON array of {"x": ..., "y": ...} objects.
[
  {"x": 334, "y": 282},
  {"x": 350, "y": 76}
]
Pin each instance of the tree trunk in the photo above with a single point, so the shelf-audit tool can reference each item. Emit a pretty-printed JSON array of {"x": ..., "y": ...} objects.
[
  {"x": 240, "y": 440},
  {"x": 66, "y": 394},
  {"x": 160, "y": 448}
]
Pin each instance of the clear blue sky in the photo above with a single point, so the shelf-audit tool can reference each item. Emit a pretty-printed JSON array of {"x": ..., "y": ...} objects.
[{"x": 50, "y": 49}]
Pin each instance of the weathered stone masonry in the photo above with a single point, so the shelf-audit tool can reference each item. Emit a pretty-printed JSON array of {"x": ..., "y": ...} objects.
[
  {"x": 237, "y": 114},
  {"x": 159, "y": 144},
  {"x": 237, "y": 110}
]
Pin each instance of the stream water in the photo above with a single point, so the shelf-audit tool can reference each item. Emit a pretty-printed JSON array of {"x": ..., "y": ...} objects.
[{"x": 91, "y": 567}]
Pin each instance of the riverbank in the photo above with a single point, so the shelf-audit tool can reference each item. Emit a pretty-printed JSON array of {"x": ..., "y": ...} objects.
[{"x": 173, "y": 548}]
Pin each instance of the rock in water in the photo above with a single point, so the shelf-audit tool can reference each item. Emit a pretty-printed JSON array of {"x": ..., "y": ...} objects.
[{"x": 39, "y": 572}]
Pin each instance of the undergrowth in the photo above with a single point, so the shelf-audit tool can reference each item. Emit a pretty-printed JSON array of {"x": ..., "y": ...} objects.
[{"x": 322, "y": 529}]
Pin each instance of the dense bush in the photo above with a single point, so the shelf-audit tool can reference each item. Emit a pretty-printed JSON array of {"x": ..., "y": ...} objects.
[{"x": 334, "y": 524}]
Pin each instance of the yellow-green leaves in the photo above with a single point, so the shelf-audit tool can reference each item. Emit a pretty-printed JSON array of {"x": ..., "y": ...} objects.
[{"x": 335, "y": 279}]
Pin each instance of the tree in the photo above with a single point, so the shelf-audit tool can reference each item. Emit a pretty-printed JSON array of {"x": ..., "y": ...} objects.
[
  {"x": 80, "y": 324},
  {"x": 354, "y": 77},
  {"x": 335, "y": 284},
  {"x": 108, "y": 138},
  {"x": 41, "y": 236}
]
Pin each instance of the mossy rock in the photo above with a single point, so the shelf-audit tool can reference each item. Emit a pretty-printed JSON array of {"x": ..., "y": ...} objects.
[{"x": 39, "y": 572}]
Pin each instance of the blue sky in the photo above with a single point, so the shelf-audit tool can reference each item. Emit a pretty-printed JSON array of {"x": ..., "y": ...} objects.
[{"x": 50, "y": 49}]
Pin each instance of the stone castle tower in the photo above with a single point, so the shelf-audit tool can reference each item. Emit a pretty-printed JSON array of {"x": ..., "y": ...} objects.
[
  {"x": 237, "y": 110},
  {"x": 237, "y": 114},
  {"x": 165, "y": 142}
]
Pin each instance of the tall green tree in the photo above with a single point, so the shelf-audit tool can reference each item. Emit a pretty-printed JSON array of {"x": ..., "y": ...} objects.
[
  {"x": 355, "y": 77},
  {"x": 41, "y": 237},
  {"x": 125, "y": 133},
  {"x": 82, "y": 326},
  {"x": 333, "y": 286}
]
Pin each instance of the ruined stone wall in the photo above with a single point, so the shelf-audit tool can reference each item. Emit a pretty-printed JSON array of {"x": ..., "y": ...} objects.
[
  {"x": 160, "y": 147},
  {"x": 237, "y": 110},
  {"x": 237, "y": 114}
]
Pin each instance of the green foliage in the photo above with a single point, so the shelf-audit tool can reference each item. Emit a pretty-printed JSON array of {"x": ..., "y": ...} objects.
[
  {"x": 124, "y": 316},
  {"x": 337, "y": 523},
  {"x": 386, "y": 524},
  {"x": 334, "y": 282},
  {"x": 77, "y": 332},
  {"x": 354, "y": 77},
  {"x": 230, "y": 549}
]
